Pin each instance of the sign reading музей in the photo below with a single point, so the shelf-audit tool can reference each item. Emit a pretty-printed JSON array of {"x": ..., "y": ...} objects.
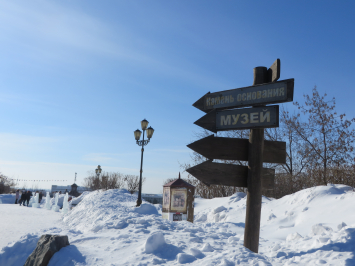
[{"x": 245, "y": 118}]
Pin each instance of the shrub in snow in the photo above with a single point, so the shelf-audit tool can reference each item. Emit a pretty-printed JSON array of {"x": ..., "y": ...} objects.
[
  {"x": 154, "y": 242},
  {"x": 184, "y": 258}
]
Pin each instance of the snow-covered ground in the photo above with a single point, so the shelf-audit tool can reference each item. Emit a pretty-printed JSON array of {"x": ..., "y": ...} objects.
[{"x": 314, "y": 226}]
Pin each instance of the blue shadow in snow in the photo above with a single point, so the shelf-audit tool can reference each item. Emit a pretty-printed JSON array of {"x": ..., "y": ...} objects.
[
  {"x": 19, "y": 252},
  {"x": 349, "y": 246},
  {"x": 67, "y": 256},
  {"x": 168, "y": 252}
]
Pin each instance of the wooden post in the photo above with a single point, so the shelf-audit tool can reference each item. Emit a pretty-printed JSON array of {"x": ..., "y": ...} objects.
[{"x": 255, "y": 166}]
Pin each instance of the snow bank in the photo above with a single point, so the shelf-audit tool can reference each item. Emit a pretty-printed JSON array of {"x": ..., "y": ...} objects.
[
  {"x": 75, "y": 201},
  {"x": 7, "y": 198},
  {"x": 113, "y": 208},
  {"x": 311, "y": 227}
]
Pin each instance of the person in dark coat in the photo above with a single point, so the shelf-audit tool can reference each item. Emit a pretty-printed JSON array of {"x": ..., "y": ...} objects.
[
  {"x": 40, "y": 197},
  {"x": 23, "y": 198},
  {"x": 28, "y": 197}
]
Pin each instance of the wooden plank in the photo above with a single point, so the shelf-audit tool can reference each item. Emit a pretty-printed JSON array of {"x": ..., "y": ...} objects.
[
  {"x": 274, "y": 71},
  {"x": 211, "y": 173},
  {"x": 221, "y": 148},
  {"x": 255, "y": 171},
  {"x": 267, "y": 93},
  {"x": 245, "y": 118}
]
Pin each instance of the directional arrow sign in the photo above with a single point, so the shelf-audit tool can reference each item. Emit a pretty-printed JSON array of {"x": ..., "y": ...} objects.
[
  {"x": 211, "y": 173},
  {"x": 246, "y": 118},
  {"x": 213, "y": 147},
  {"x": 268, "y": 93}
]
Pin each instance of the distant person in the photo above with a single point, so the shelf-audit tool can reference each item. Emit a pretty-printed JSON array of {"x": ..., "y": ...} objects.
[
  {"x": 28, "y": 197},
  {"x": 23, "y": 198},
  {"x": 40, "y": 197},
  {"x": 17, "y": 196}
]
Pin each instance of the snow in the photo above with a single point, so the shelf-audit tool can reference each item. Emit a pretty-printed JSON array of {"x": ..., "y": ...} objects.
[
  {"x": 7, "y": 199},
  {"x": 314, "y": 226}
]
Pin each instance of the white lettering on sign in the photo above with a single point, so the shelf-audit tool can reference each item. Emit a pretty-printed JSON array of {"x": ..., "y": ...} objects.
[
  {"x": 245, "y": 118},
  {"x": 225, "y": 120},
  {"x": 265, "y": 116},
  {"x": 235, "y": 119},
  {"x": 248, "y": 96},
  {"x": 254, "y": 118},
  {"x": 210, "y": 101}
]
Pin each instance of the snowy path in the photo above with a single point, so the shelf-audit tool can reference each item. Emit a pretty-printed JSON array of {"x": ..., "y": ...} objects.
[{"x": 17, "y": 221}]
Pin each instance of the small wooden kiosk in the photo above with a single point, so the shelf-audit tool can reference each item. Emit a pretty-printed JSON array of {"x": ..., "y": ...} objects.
[{"x": 178, "y": 201}]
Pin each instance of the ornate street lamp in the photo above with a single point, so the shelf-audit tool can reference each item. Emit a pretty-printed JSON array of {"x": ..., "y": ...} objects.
[
  {"x": 137, "y": 136},
  {"x": 98, "y": 171}
]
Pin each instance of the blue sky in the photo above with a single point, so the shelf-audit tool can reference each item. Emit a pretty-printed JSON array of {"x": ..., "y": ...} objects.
[{"x": 77, "y": 77}]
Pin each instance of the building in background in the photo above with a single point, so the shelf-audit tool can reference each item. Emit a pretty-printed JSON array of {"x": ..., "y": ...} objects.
[
  {"x": 64, "y": 189},
  {"x": 153, "y": 198}
]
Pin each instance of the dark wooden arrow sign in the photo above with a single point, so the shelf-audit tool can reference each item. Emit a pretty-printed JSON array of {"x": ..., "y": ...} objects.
[
  {"x": 245, "y": 118},
  {"x": 211, "y": 173},
  {"x": 268, "y": 93},
  {"x": 213, "y": 147}
]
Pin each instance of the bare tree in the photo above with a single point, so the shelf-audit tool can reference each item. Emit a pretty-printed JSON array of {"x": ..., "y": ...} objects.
[
  {"x": 6, "y": 184},
  {"x": 319, "y": 149},
  {"x": 105, "y": 181},
  {"x": 132, "y": 182},
  {"x": 327, "y": 135}
]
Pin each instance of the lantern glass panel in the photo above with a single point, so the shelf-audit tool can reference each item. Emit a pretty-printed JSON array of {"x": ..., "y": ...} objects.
[
  {"x": 144, "y": 124},
  {"x": 150, "y": 132},
  {"x": 137, "y": 134}
]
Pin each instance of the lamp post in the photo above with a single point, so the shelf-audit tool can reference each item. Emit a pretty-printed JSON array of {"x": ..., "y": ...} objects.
[
  {"x": 98, "y": 171},
  {"x": 137, "y": 136}
]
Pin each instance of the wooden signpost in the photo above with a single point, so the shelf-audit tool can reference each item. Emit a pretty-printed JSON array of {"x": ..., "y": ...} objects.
[
  {"x": 246, "y": 118},
  {"x": 211, "y": 173},
  {"x": 265, "y": 90},
  {"x": 213, "y": 147},
  {"x": 268, "y": 93}
]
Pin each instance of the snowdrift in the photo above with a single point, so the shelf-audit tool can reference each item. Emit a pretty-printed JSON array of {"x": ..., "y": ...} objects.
[
  {"x": 311, "y": 227},
  {"x": 7, "y": 198}
]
